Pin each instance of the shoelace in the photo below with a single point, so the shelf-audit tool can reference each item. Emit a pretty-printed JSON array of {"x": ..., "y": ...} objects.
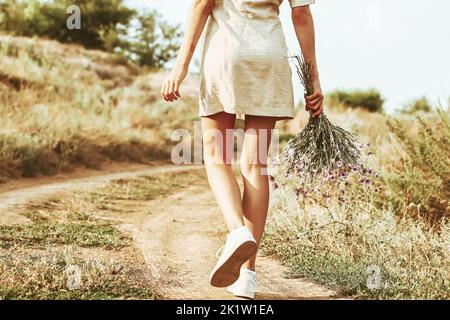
[{"x": 253, "y": 275}]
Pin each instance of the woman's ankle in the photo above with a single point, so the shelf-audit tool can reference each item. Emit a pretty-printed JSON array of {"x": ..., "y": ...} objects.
[
  {"x": 235, "y": 226},
  {"x": 249, "y": 267}
]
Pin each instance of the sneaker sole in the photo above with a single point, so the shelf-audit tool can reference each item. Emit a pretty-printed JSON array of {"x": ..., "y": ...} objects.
[
  {"x": 228, "y": 272},
  {"x": 245, "y": 295},
  {"x": 242, "y": 294}
]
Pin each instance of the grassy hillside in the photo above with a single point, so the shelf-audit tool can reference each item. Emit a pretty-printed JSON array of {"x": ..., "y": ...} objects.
[{"x": 62, "y": 105}]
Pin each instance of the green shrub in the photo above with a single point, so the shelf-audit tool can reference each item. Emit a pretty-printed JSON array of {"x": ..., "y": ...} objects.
[
  {"x": 35, "y": 18},
  {"x": 154, "y": 42},
  {"x": 418, "y": 105},
  {"x": 369, "y": 100},
  {"x": 105, "y": 24}
]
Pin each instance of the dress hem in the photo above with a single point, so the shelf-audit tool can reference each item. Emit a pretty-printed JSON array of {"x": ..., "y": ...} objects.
[{"x": 282, "y": 114}]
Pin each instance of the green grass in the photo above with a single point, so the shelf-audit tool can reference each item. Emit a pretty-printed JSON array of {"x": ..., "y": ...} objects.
[
  {"x": 106, "y": 291},
  {"x": 348, "y": 277},
  {"x": 335, "y": 271},
  {"x": 42, "y": 275},
  {"x": 43, "y": 234}
]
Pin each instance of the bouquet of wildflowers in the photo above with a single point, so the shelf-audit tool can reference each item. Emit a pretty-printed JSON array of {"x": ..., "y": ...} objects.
[{"x": 322, "y": 153}]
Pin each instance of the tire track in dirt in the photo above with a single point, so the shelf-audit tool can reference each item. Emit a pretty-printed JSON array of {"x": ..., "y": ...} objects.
[
  {"x": 178, "y": 239},
  {"x": 12, "y": 199}
]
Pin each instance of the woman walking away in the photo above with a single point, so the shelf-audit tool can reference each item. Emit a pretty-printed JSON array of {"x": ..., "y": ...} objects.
[{"x": 244, "y": 72}]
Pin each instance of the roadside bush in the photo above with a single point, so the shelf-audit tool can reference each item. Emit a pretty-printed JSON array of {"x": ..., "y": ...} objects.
[
  {"x": 418, "y": 105},
  {"x": 369, "y": 100},
  {"x": 420, "y": 185}
]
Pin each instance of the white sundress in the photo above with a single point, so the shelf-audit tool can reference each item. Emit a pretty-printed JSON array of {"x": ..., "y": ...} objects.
[{"x": 244, "y": 64}]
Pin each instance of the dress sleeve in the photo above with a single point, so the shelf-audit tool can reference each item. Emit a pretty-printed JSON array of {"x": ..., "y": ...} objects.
[{"x": 299, "y": 3}]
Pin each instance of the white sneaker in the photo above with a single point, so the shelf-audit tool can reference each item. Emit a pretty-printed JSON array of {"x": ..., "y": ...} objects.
[
  {"x": 240, "y": 247},
  {"x": 245, "y": 286}
]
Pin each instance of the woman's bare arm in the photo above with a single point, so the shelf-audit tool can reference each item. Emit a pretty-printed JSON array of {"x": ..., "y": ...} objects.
[
  {"x": 304, "y": 28},
  {"x": 198, "y": 16}
]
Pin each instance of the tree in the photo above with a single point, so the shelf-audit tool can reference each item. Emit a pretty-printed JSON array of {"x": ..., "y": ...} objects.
[
  {"x": 100, "y": 22},
  {"x": 106, "y": 24},
  {"x": 154, "y": 41}
]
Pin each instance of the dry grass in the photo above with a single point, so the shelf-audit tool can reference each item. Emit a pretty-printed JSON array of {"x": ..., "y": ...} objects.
[
  {"x": 63, "y": 106},
  {"x": 43, "y": 274},
  {"x": 338, "y": 248},
  {"x": 339, "y": 242}
]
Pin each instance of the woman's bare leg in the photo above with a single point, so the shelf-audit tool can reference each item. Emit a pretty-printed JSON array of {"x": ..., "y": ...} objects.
[
  {"x": 255, "y": 202},
  {"x": 218, "y": 166}
]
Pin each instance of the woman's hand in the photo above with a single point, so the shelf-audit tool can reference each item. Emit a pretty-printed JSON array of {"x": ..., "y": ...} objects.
[
  {"x": 170, "y": 90},
  {"x": 314, "y": 102}
]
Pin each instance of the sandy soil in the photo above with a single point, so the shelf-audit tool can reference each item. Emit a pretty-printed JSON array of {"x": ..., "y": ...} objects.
[{"x": 178, "y": 236}]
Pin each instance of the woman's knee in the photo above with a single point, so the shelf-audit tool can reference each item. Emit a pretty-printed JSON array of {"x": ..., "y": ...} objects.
[
  {"x": 253, "y": 162},
  {"x": 211, "y": 149},
  {"x": 214, "y": 148},
  {"x": 253, "y": 168}
]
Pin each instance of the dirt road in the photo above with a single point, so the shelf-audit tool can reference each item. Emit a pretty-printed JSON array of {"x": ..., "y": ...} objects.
[{"x": 178, "y": 239}]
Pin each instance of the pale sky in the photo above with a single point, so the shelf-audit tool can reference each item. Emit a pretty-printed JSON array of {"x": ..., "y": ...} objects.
[{"x": 400, "y": 47}]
